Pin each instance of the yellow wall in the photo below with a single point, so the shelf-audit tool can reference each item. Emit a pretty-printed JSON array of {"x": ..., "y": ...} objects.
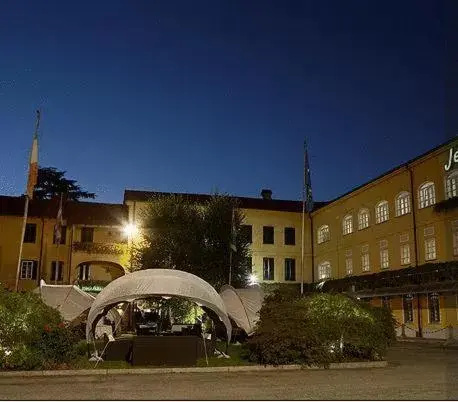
[
  {"x": 429, "y": 168},
  {"x": 106, "y": 266}
]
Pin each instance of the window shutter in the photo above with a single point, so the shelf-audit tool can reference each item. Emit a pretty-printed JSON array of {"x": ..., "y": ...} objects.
[{"x": 35, "y": 270}]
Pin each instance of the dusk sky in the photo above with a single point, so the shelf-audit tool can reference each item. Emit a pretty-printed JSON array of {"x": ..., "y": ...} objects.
[{"x": 194, "y": 96}]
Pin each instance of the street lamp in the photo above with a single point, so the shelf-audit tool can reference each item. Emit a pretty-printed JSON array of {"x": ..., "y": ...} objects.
[
  {"x": 130, "y": 230},
  {"x": 252, "y": 280}
]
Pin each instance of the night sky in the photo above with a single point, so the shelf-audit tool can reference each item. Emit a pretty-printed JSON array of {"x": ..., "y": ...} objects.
[{"x": 197, "y": 96}]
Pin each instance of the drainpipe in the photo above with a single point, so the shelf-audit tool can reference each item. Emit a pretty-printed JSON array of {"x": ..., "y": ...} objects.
[
  {"x": 312, "y": 248},
  {"x": 70, "y": 253},
  {"x": 40, "y": 265},
  {"x": 415, "y": 247}
]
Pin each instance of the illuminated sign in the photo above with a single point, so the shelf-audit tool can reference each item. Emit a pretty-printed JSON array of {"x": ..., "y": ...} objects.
[{"x": 452, "y": 158}]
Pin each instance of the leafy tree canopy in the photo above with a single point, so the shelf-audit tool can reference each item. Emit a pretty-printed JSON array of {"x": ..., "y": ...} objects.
[
  {"x": 180, "y": 234},
  {"x": 52, "y": 183}
]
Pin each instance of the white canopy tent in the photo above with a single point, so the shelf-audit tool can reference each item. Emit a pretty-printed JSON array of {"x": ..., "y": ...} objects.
[
  {"x": 71, "y": 302},
  {"x": 243, "y": 305},
  {"x": 157, "y": 282}
]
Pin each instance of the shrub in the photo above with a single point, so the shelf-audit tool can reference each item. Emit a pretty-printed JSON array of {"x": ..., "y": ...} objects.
[
  {"x": 318, "y": 329},
  {"x": 32, "y": 334}
]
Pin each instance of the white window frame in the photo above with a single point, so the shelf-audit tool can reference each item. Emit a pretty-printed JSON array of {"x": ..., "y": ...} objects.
[
  {"x": 382, "y": 212},
  {"x": 363, "y": 219},
  {"x": 270, "y": 266},
  {"x": 402, "y": 203},
  {"x": 430, "y": 249},
  {"x": 451, "y": 185},
  {"x": 426, "y": 195},
  {"x": 384, "y": 258},
  {"x": 86, "y": 273},
  {"x": 439, "y": 305},
  {"x": 405, "y": 254},
  {"x": 324, "y": 270},
  {"x": 347, "y": 225},
  {"x": 28, "y": 266},
  {"x": 365, "y": 262},
  {"x": 349, "y": 265},
  {"x": 323, "y": 234}
]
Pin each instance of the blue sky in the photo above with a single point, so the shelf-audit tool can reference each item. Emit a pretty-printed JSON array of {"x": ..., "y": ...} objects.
[{"x": 204, "y": 95}]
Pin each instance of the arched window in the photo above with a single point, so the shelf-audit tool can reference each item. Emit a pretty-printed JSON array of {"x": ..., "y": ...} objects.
[
  {"x": 381, "y": 212},
  {"x": 451, "y": 185},
  {"x": 426, "y": 195},
  {"x": 323, "y": 234},
  {"x": 347, "y": 225},
  {"x": 363, "y": 219},
  {"x": 402, "y": 203},
  {"x": 324, "y": 270}
]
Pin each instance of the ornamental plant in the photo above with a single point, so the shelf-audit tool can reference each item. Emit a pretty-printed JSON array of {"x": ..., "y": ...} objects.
[
  {"x": 319, "y": 329},
  {"x": 32, "y": 334}
]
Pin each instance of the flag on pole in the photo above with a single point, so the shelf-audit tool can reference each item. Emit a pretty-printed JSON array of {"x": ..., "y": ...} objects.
[
  {"x": 307, "y": 182},
  {"x": 59, "y": 224},
  {"x": 33, "y": 163}
]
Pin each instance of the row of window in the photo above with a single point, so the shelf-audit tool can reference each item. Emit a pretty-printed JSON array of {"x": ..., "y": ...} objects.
[
  {"x": 426, "y": 198},
  {"x": 325, "y": 269},
  {"x": 268, "y": 235},
  {"x": 268, "y": 271},
  {"x": 407, "y": 307},
  {"x": 30, "y": 234},
  {"x": 29, "y": 270}
]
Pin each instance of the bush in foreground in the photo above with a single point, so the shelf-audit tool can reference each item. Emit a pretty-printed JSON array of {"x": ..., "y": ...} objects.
[
  {"x": 32, "y": 334},
  {"x": 319, "y": 329}
]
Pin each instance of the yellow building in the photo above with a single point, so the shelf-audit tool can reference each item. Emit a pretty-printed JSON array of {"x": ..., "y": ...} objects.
[
  {"x": 383, "y": 241},
  {"x": 93, "y": 246},
  {"x": 274, "y": 227},
  {"x": 404, "y": 218}
]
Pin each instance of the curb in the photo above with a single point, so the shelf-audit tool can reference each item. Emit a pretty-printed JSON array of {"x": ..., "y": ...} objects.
[{"x": 171, "y": 370}]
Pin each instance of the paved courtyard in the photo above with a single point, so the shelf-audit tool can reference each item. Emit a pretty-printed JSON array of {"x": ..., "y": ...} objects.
[{"x": 415, "y": 372}]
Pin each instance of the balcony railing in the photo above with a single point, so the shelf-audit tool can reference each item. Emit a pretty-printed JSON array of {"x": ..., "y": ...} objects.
[{"x": 99, "y": 248}]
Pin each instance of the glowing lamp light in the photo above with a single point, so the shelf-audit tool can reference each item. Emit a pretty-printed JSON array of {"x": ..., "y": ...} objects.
[
  {"x": 252, "y": 280},
  {"x": 130, "y": 229}
]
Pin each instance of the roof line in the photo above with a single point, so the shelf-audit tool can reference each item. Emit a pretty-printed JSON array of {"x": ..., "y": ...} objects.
[{"x": 405, "y": 164}]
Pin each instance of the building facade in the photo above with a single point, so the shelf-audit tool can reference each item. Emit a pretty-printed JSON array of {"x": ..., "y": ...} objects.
[{"x": 390, "y": 227}]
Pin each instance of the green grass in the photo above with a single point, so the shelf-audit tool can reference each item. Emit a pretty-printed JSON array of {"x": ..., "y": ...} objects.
[{"x": 234, "y": 351}]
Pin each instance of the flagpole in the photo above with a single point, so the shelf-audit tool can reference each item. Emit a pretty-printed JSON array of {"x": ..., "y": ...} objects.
[
  {"x": 31, "y": 182},
  {"x": 230, "y": 248},
  {"x": 303, "y": 226}
]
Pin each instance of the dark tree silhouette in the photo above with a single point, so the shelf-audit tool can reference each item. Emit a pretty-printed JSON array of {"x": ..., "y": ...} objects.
[{"x": 52, "y": 183}]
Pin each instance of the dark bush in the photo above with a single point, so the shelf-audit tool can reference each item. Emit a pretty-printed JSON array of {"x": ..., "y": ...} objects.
[
  {"x": 318, "y": 329},
  {"x": 32, "y": 335}
]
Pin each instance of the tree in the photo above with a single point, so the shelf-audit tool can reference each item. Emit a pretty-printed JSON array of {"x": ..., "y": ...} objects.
[
  {"x": 180, "y": 234},
  {"x": 52, "y": 183}
]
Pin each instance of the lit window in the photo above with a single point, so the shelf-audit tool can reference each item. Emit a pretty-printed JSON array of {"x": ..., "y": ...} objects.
[
  {"x": 407, "y": 304},
  {"x": 430, "y": 249},
  {"x": 84, "y": 273},
  {"x": 405, "y": 254},
  {"x": 384, "y": 259},
  {"x": 29, "y": 269},
  {"x": 348, "y": 225},
  {"x": 324, "y": 270},
  {"x": 434, "y": 308},
  {"x": 381, "y": 212},
  {"x": 403, "y": 203},
  {"x": 323, "y": 234},
  {"x": 363, "y": 219},
  {"x": 426, "y": 195},
  {"x": 268, "y": 269},
  {"x": 451, "y": 185},
  {"x": 365, "y": 262},
  {"x": 349, "y": 266}
]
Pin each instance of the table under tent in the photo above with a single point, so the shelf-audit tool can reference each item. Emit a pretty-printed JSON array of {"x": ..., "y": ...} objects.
[
  {"x": 242, "y": 306},
  {"x": 149, "y": 339}
]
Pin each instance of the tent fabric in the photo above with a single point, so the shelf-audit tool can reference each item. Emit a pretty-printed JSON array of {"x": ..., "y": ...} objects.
[
  {"x": 243, "y": 305},
  {"x": 157, "y": 282},
  {"x": 71, "y": 302}
]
